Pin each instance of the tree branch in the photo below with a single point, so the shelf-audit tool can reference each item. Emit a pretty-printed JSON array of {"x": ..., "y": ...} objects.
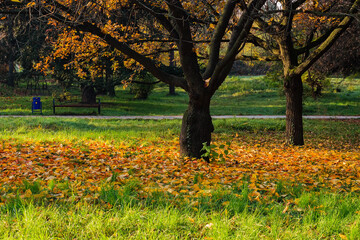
[
  {"x": 188, "y": 57},
  {"x": 315, "y": 55},
  {"x": 146, "y": 62},
  {"x": 159, "y": 15},
  {"x": 237, "y": 42},
  {"x": 217, "y": 37},
  {"x": 257, "y": 58},
  {"x": 314, "y": 43}
]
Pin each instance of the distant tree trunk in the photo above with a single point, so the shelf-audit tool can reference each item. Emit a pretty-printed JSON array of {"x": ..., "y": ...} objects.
[
  {"x": 172, "y": 90},
  {"x": 110, "y": 88},
  {"x": 11, "y": 46},
  {"x": 88, "y": 95},
  {"x": 294, "y": 123},
  {"x": 196, "y": 127},
  {"x": 318, "y": 91},
  {"x": 11, "y": 76},
  {"x": 172, "y": 64}
]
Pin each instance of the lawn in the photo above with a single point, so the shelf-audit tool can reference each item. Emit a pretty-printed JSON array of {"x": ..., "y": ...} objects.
[
  {"x": 237, "y": 96},
  {"x": 124, "y": 179},
  {"x": 116, "y": 179}
]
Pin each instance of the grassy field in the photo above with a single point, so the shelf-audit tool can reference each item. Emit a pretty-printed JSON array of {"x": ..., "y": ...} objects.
[
  {"x": 115, "y": 179},
  {"x": 325, "y": 216},
  {"x": 237, "y": 96},
  {"x": 124, "y": 179}
]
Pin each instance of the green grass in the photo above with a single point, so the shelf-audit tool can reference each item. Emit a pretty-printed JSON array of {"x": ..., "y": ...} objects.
[
  {"x": 47, "y": 129},
  {"x": 227, "y": 214},
  {"x": 312, "y": 216},
  {"x": 237, "y": 96},
  {"x": 55, "y": 129}
]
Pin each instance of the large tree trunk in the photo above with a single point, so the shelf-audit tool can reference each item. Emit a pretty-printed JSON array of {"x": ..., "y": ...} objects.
[
  {"x": 294, "y": 124},
  {"x": 196, "y": 128}
]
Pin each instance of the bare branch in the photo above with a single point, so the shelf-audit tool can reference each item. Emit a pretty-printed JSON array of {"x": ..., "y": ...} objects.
[{"x": 217, "y": 37}]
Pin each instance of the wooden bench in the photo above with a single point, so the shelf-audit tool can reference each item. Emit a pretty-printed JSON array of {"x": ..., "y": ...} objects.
[{"x": 75, "y": 104}]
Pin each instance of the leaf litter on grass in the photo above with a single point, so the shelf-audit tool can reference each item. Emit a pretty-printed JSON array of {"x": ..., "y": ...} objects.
[{"x": 77, "y": 170}]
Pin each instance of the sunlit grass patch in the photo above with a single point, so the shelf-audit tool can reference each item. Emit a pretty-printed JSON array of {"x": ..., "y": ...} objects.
[{"x": 310, "y": 216}]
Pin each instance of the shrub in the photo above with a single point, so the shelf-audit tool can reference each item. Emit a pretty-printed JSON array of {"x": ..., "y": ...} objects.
[
  {"x": 316, "y": 82},
  {"x": 142, "y": 85},
  {"x": 274, "y": 77}
]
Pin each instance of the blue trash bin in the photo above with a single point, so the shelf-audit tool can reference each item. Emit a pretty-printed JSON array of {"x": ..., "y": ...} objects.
[{"x": 36, "y": 105}]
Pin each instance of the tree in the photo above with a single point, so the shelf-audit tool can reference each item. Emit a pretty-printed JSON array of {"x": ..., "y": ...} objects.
[
  {"x": 92, "y": 60},
  {"x": 10, "y": 50},
  {"x": 21, "y": 43},
  {"x": 299, "y": 33},
  {"x": 139, "y": 28},
  {"x": 344, "y": 57}
]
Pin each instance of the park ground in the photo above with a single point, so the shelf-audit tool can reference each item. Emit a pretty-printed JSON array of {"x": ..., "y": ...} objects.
[{"x": 124, "y": 179}]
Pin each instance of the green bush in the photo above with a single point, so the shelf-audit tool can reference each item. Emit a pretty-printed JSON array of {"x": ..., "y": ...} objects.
[
  {"x": 315, "y": 83},
  {"x": 274, "y": 77},
  {"x": 142, "y": 85}
]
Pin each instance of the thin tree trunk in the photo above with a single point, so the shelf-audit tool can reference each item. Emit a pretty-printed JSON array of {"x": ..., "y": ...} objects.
[
  {"x": 196, "y": 128},
  {"x": 294, "y": 124},
  {"x": 171, "y": 64},
  {"x": 11, "y": 76},
  {"x": 172, "y": 90},
  {"x": 11, "y": 46},
  {"x": 110, "y": 88}
]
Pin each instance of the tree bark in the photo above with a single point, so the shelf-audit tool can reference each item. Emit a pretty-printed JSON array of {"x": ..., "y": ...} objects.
[
  {"x": 110, "y": 88},
  {"x": 171, "y": 64},
  {"x": 294, "y": 123},
  {"x": 11, "y": 76},
  {"x": 11, "y": 52},
  {"x": 88, "y": 95},
  {"x": 196, "y": 128},
  {"x": 172, "y": 90}
]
